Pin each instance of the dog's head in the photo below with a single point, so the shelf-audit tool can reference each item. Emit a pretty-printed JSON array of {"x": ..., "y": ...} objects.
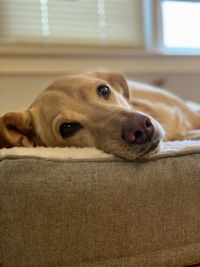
[{"x": 83, "y": 111}]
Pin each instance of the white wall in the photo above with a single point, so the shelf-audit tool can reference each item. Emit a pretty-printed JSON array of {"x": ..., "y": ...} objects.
[{"x": 18, "y": 91}]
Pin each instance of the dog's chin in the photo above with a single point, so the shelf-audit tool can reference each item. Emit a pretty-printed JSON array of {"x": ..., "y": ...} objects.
[
  {"x": 151, "y": 149},
  {"x": 133, "y": 152}
]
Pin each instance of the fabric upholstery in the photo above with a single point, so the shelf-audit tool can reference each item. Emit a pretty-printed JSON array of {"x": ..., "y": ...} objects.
[{"x": 99, "y": 214}]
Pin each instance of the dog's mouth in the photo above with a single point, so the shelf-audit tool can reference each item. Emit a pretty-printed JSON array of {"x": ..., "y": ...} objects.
[
  {"x": 134, "y": 152},
  {"x": 152, "y": 147}
]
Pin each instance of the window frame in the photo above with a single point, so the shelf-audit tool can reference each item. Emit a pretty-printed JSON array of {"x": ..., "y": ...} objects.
[{"x": 152, "y": 26}]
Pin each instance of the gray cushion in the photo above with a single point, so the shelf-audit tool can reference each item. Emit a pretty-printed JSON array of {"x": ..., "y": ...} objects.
[{"x": 105, "y": 213}]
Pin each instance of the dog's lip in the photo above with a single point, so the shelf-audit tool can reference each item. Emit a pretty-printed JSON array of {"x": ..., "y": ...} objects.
[{"x": 151, "y": 147}]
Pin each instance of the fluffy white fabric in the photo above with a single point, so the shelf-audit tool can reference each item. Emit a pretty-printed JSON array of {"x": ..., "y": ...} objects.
[{"x": 167, "y": 149}]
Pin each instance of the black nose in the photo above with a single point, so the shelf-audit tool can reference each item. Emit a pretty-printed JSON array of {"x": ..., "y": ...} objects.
[{"x": 138, "y": 129}]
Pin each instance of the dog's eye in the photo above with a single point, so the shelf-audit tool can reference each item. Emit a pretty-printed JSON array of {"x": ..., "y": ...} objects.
[
  {"x": 67, "y": 129},
  {"x": 103, "y": 91}
]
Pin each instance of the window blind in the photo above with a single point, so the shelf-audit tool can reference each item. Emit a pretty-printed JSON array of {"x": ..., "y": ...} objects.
[{"x": 72, "y": 22}]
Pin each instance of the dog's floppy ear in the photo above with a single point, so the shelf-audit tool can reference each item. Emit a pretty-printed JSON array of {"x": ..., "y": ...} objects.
[
  {"x": 116, "y": 80},
  {"x": 16, "y": 129}
]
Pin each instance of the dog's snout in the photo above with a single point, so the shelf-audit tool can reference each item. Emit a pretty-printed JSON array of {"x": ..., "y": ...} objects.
[{"x": 138, "y": 129}]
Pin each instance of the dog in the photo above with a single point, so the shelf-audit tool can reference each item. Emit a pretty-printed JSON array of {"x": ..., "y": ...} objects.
[{"x": 101, "y": 110}]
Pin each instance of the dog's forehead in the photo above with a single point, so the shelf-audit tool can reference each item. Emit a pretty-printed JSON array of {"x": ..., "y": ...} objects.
[
  {"x": 75, "y": 82},
  {"x": 68, "y": 91}
]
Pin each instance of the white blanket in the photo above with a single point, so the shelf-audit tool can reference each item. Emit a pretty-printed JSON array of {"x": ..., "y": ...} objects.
[{"x": 168, "y": 149}]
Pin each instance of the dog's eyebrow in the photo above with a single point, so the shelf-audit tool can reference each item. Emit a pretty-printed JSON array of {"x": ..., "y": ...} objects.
[{"x": 56, "y": 87}]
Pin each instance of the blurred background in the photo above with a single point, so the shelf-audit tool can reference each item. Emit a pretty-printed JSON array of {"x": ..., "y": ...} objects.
[{"x": 154, "y": 41}]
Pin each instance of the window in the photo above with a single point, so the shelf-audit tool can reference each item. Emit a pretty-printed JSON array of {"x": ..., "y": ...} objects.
[
  {"x": 180, "y": 25},
  {"x": 72, "y": 22},
  {"x": 169, "y": 26}
]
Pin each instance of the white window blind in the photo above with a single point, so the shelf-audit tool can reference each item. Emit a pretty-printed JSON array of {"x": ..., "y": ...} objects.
[{"x": 72, "y": 22}]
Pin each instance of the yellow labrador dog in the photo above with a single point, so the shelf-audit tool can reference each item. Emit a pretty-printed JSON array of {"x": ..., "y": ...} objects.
[{"x": 101, "y": 110}]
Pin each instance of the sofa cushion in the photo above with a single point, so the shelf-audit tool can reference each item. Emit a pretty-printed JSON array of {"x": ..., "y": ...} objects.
[{"x": 92, "y": 210}]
